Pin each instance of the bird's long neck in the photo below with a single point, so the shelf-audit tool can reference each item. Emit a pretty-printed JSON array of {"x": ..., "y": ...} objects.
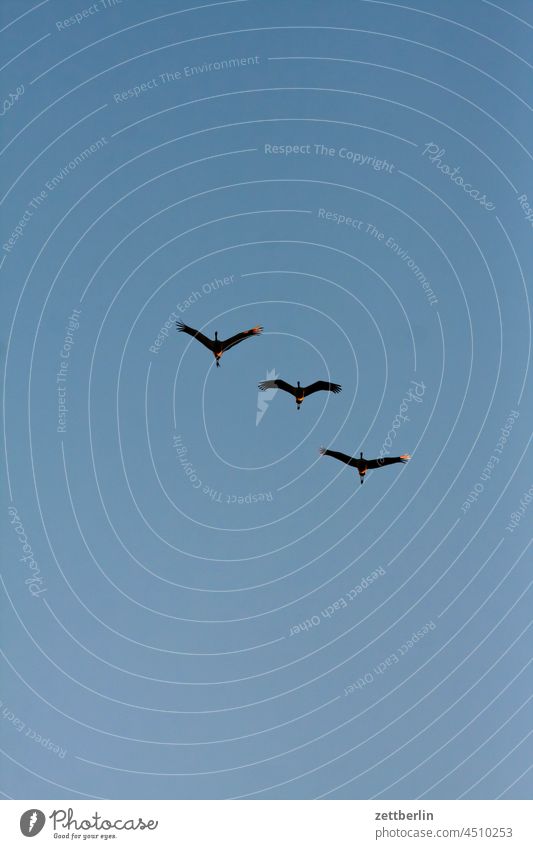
[
  {"x": 361, "y": 455},
  {"x": 216, "y": 335},
  {"x": 298, "y": 384}
]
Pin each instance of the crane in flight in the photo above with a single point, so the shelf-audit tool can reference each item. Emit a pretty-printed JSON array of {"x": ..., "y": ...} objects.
[
  {"x": 218, "y": 346},
  {"x": 363, "y": 465},
  {"x": 300, "y": 392}
]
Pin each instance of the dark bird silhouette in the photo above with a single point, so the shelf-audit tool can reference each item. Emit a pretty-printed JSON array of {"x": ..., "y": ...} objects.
[
  {"x": 218, "y": 346},
  {"x": 363, "y": 465},
  {"x": 300, "y": 392}
]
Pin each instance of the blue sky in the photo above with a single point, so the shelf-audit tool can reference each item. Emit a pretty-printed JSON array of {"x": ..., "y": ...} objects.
[{"x": 355, "y": 177}]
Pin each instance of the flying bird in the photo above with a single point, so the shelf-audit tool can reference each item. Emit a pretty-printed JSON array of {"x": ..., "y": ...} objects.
[
  {"x": 363, "y": 465},
  {"x": 300, "y": 392},
  {"x": 218, "y": 346}
]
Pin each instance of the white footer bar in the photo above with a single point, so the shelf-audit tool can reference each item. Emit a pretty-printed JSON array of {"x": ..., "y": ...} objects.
[{"x": 269, "y": 824}]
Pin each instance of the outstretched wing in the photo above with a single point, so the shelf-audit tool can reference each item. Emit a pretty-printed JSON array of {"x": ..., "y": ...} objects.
[
  {"x": 387, "y": 461},
  {"x": 322, "y": 385},
  {"x": 183, "y": 328},
  {"x": 277, "y": 384},
  {"x": 239, "y": 337},
  {"x": 344, "y": 458}
]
